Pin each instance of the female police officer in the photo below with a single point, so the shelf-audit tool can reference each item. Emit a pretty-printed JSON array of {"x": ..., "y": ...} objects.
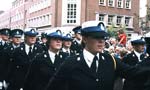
[{"x": 45, "y": 64}]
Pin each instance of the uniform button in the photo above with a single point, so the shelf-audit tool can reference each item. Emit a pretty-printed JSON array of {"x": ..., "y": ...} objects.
[
  {"x": 97, "y": 80},
  {"x": 55, "y": 69},
  {"x": 17, "y": 66},
  {"x": 11, "y": 59}
]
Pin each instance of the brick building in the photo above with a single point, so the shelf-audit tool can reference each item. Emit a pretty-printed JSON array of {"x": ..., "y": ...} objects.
[{"x": 46, "y": 14}]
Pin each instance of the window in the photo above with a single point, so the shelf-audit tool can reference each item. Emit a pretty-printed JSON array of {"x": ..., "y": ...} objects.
[
  {"x": 110, "y": 19},
  {"x": 119, "y": 20},
  {"x": 101, "y": 17},
  {"x": 127, "y": 21},
  {"x": 101, "y": 2},
  {"x": 120, "y": 3},
  {"x": 111, "y": 3},
  {"x": 128, "y": 4},
  {"x": 71, "y": 13}
]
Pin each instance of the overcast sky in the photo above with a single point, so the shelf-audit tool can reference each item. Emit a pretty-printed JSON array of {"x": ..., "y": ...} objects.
[{"x": 5, "y": 4}]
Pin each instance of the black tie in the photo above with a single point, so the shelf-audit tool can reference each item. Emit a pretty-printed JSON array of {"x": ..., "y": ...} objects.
[
  {"x": 93, "y": 66},
  {"x": 30, "y": 51},
  {"x": 142, "y": 56}
]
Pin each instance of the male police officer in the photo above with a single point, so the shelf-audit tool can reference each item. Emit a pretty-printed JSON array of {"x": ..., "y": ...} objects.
[
  {"x": 91, "y": 70},
  {"x": 46, "y": 64},
  {"x": 22, "y": 57},
  {"x": 15, "y": 35},
  {"x": 43, "y": 41},
  {"x": 5, "y": 32},
  {"x": 77, "y": 42},
  {"x": 134, "y": 58}
]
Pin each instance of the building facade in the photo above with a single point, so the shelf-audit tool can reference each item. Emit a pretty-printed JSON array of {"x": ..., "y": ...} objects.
[{"x": 46, "y": 14}]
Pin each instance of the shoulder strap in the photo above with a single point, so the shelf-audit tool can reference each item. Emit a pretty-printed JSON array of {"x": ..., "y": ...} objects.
[{"x": 114, "y": 60}]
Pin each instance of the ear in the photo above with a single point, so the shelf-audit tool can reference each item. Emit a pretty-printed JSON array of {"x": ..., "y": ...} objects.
[{"x": 84, "y": 39}]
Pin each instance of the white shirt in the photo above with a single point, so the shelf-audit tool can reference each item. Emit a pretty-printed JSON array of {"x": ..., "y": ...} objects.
[
  {"x": 66, "y": 50},
  {"x": 78, "y": 41},
  {"x": 14, "y": 46},
  {"x": 52, "y": 55},
  {"x": 27, "y": 48},
  {"x": 138, "y": 55},
  {"x": 89, "y": 57}
]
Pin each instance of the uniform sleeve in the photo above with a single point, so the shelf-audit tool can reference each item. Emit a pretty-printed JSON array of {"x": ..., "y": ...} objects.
[
  {"x": 62, "y": 75},
  {"x": 130, "y": 72}
]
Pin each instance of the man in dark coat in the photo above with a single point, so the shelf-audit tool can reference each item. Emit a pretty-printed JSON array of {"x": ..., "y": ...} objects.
[
  {"x": 43, "y": 41},
  {"x": 46, "y": 64},
  {"x": 77, "y": 42},
  {"x": 132, "y": 59},
  {"x": 5, "y": 32},
  {"x": 91, "y": 70},
  {"x": 15, "y": 36},
  {"x": 4, "y": 43},
  {"x": 22, "y": 57}
]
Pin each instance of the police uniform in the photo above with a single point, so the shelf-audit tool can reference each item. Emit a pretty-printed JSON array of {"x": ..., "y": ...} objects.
[
  {"x": 8, "y": 52},
  {"x": 21, "y": 62},
  {"x": 143, "y": 82},
  {"x": 75, "y": 73},
  {"x": 68, "y": 51},
  {"x": 44, "y": 67},
  {"x": 76, "y": 44},
  {"x": 4, "y": 44},
  {"x": 132, "y": 59},
  {"x": 43, "y": 35}
]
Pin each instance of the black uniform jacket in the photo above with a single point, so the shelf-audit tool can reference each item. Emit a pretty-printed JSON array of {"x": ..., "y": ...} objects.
[
  {"x": 7, "y": 58},
  {"x": 74, "y": 74},
  {"x": 76, "y": 47},
  {"x": 132, "y": 60},
  {"x": 42, "y": 69},
  {"x": 21, "y": 63}
]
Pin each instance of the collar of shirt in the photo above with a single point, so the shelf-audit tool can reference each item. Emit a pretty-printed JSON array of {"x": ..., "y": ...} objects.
[
  {"x": 27, "y": 48},
  {"x": 66, "y": 50},
  {"x": 78, "y": 41},
  {"x": 14, "y": 46},
  {"x": 52, "y": 55},
  {"x": 3, "y": 42},
  {"x": 89, "y": 57},
  {"x": 137, "y": 54}
]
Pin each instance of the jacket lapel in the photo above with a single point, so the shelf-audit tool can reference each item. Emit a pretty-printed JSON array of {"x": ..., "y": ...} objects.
[{"x": 85, "y": 68}]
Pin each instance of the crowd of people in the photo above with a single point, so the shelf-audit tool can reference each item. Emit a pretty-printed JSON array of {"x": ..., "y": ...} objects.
[{"x": 87, "y": 60}]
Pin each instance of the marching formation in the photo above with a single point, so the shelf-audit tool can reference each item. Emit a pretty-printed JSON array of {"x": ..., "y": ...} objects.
[{"x": 88, "y": 60}]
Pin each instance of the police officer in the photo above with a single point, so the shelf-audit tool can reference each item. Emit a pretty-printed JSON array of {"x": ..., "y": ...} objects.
[
  {"x": 5, "y": 32},
  {"x": 45, "y": 65},
  {"x": 137, "y": 54},
  {"x": 77, "y": 42},
  {"x": 15, "y": 35},
  {"x": 134, "y": 58},
  {"x": 22, "y": 57},
  {"x": 143, "y": 82},
  {"x": 67, "y": 42},
  {"x": 43, "y": 41},
  {"x": 91, "y": 70}
]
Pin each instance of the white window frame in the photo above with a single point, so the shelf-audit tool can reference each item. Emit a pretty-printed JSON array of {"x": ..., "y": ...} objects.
[
  {"x": 101, "y": 17},
  {"x": 128, "y": 4},
  {"x": 120, "y": 3},
  {"x": 71, "y": 19},
  {"x": 102, "y": 2},
  {"x": 110, "y": 19},
  {"x": 119, "y": 20},
  {"x": 127, "y": 21},
  {"x": 111, "y": 3}
]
